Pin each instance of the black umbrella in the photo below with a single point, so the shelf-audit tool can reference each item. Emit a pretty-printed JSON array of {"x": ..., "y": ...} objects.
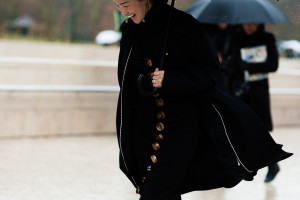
[{"x": 236, "y": 11}]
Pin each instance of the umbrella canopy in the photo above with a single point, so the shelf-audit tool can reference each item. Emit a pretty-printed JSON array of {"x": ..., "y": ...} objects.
[{"x": 236, "y": 11}]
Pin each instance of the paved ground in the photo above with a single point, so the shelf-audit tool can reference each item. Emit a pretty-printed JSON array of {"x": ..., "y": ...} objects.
[{"x": 86, "y": 168}]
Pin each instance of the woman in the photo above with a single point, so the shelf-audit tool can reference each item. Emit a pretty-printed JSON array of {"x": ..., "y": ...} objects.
[
  {"x": 175, "y": 141},
  {"x": 256, "y": 55}
]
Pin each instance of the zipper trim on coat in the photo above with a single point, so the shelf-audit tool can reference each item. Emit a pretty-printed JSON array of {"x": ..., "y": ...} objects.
[
  {"x": 121, "y": 124},
  {"x": 237, "y": 157}
]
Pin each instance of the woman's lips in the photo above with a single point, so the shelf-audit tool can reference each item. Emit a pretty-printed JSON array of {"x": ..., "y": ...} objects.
[{"x": 132, "y": 16}]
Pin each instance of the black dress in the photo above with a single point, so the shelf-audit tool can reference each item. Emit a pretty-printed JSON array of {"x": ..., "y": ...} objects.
[{"x": 176, "y": 141}]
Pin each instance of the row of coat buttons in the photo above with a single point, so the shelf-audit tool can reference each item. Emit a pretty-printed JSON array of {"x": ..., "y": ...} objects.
[
  {"x": 160, "y": 127},
  {"x": 159, "y": 137}
]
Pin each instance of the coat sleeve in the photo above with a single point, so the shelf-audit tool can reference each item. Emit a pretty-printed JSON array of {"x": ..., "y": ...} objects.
[
  {"x": 192, "y": 66},
  {"x": 271, "y": 64}
]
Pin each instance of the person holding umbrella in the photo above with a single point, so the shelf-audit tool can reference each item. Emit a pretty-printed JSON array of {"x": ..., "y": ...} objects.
[
  {"x": 253, "y": 52},
  {"x": 177, "y": 132}
]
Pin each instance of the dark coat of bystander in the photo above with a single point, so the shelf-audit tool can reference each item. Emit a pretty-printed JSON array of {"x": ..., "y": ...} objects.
[{"x": 257, "y": 96}]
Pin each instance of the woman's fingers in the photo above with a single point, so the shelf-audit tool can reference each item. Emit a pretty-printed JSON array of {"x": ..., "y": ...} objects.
[{"x": 158, "y": 77}]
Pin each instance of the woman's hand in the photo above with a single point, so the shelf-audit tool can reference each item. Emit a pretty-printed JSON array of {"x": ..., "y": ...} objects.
[{"x": 158, "y": 77}]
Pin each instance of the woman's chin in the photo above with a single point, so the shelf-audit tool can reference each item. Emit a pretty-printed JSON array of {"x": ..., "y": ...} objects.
[{"x": 136, "y": 20}]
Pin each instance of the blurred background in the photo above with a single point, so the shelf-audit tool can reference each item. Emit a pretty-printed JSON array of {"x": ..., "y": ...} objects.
[
  {"x": 58, "y": 97},
  {"x": 82, "y": 20},
  {"x": 79, "y": 21}
]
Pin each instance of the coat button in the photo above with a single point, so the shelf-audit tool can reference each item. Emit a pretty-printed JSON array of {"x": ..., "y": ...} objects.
[
  {"x": 159, "y": 137},
  {"x": 159, "y": 102},
  {"x": 160, "y": 126},
  {"x": 160, "y": 115},
  {"x": 138, "y": 191},
  {"x": 156, "y": 95},
  {"x": 154, "y": 159},
  {"x": 150, "y": 75},
  {"x": 143, "y": 179},
  {"x": 149, "y": 168},
  {"x": 148, "y": 62},
  {"x": 156, "y": 146}
]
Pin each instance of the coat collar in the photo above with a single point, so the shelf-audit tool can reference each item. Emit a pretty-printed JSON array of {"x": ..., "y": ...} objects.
[{"x": 157, "y": 12}]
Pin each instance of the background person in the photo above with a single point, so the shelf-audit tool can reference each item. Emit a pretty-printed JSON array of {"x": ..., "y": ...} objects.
[{"x": 255, "y": 55}]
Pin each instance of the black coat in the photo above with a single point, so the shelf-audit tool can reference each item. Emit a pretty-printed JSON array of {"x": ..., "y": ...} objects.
[
  {"x": 241, "y": 143},
  {"x": 257, "y": 96}
]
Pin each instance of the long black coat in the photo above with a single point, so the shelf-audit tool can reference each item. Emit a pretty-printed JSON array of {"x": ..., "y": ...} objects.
[
  {"x": 257, "y": 96},
  {"x": 241, "y": 145}
]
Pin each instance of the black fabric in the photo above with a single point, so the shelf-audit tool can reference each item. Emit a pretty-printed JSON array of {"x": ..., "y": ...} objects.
[
  {"x": 253, "y": 143},
  {"x": 180, "y": 145},
  {"x": 257, "y": 96},
  {"x": 196, "y": 154}
]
